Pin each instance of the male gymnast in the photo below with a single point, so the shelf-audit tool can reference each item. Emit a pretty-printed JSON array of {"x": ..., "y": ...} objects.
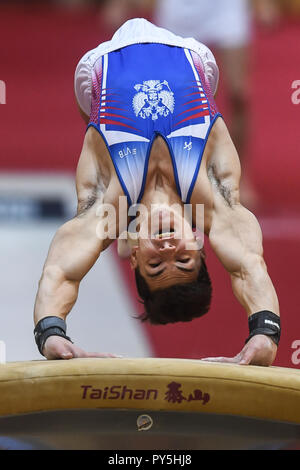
[{"x": 155, "y": 136}]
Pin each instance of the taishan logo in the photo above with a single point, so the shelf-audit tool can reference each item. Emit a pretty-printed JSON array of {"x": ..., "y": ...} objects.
[
  {"x": 117, "y": 392},
  {"x": 173, "y": 393}
]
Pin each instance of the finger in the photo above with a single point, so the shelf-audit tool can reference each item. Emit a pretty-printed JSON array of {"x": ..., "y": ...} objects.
[
  {"x": 247, "y": 357},
  {"x": 80, "y": 353},
  {"x": 67, "y": 355},
  {"x": 58, "y": 355},
  {"x": 103, "y": 355},
  {"x": 220, "y": 359},
  {"x": 59, "y": 351},
  {"x": 210, "y": 359},
  {"x": 65, "y": 350}
]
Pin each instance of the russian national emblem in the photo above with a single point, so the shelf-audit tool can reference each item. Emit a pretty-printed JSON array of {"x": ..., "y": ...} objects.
[{"x": 154, "y": 99}]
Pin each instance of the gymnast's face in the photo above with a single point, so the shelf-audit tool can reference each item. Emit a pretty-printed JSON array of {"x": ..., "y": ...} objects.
[{"x": 165, "y": 255}]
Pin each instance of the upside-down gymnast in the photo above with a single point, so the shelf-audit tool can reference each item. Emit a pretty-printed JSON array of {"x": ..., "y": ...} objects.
[{"x": 155, "y": 137}]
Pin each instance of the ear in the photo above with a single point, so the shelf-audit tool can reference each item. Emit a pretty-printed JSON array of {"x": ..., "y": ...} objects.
[
  {"x": 203, "y": 253},
  {"x": 133, "y": 258},
  {"x": 124, "y": 249}
]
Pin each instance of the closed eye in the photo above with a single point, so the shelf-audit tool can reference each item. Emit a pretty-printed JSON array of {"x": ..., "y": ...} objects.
[{"x": 154, "y": 265}]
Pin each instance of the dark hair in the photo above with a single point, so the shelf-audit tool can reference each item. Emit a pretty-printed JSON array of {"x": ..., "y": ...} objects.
[{"x": 180, "y": 302}]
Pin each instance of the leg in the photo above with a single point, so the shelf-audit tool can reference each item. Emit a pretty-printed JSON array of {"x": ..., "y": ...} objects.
[{"x": 235, "y": 66}]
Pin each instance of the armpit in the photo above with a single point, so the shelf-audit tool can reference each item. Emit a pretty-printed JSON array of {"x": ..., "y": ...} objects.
[
  {"x": 223, "y": 187},
  {"x": 86, "y": 203}
]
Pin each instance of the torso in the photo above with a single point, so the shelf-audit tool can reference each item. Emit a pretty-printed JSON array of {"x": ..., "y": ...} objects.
[
  {"x": 140, "y": 110},
  {"x": 160, "y": 175}
]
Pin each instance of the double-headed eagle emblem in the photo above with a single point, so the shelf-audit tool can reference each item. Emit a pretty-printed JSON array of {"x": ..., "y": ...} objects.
[{"x": 154, "y": 98}]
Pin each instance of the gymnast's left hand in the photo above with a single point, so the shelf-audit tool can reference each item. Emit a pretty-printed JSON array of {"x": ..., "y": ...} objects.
[
  {"x": 260, "y": 350},
  {"x": 57, "y": 347}
]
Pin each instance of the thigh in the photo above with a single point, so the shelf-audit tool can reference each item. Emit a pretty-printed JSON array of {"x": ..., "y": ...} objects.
[{"x": 235, "y": 67}]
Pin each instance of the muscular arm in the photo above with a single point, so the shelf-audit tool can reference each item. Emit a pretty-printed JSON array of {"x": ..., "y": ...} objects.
[
  {"x": 75, "y": 248},
  {"x": 235, "y": 234},
  {"x": 236, "y": 238}
]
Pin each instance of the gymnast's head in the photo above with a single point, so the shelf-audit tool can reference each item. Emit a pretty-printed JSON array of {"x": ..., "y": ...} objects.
[{"x": 170, "y": 271}]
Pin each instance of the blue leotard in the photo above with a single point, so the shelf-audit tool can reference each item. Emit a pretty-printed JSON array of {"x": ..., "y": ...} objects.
[{"x": 150, "y": 89}]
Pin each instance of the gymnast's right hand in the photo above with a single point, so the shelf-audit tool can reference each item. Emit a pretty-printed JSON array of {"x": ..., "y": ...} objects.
[{"x": 57, "y": 347}]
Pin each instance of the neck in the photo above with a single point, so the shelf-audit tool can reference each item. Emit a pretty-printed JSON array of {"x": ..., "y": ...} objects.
[
  {"x": 160, "y": 195},
  {"x": 160, "y": 211}
]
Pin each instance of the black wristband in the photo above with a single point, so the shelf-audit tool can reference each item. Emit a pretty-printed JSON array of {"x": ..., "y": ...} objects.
[
  {"x": 264, "y": 323},
  {"x": 49, "y": 326}
]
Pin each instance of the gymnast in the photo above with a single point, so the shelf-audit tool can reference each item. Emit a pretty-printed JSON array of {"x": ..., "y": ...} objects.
[{"x": 156, "y": 139}]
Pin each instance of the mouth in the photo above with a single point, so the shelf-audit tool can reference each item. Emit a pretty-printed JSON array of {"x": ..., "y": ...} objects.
[
  {"x": 166, "y": 225},
  {"x": 162, "y": 235}
]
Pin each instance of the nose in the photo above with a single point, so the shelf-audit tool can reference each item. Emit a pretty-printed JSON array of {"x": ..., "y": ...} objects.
[{"x": 167, "y": 247}]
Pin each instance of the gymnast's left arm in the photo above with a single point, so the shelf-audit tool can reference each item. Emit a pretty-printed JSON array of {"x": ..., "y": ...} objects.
[{"x": 236, "y": 238}]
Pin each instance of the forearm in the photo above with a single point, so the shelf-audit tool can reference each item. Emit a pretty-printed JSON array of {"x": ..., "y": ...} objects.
[
  {"x": 56, "y": 294},
  {"x": 73, "y": 252},
  {"x": 253, "y": 287},
  {"x": 237, "y": 240}
]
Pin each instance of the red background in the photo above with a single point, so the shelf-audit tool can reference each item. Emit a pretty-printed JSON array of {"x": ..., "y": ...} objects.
[{"x": 41, "y": 130}]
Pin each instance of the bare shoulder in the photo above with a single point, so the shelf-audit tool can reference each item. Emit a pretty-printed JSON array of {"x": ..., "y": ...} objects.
[
  {"x": 223, "y": 164},
  {"x": 96, "y": 148},
  {"x": 217, "y": 185},
  {"x": 95, "y": 167}
]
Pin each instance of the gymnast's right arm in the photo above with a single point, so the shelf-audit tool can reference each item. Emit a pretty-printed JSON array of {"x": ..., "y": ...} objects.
[{"x": 74, "y": 250}]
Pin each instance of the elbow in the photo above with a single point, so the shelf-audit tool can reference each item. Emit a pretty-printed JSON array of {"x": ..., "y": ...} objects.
[
  {"x": 56, "y": 288},
  {"x": 256, "y": 260},
  {"x": 52, "y": 274},
  {"x": 53, "y": 279},
  {"x": 252, "y": 263}
]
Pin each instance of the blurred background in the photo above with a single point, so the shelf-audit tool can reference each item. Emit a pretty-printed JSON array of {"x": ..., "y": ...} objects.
[{"x": 257, "y": 46}]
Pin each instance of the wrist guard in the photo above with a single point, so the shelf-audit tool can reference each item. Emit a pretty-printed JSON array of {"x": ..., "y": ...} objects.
[
  {"x": 49, "y": 326},
  {"x": 264, "y": 323}
]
